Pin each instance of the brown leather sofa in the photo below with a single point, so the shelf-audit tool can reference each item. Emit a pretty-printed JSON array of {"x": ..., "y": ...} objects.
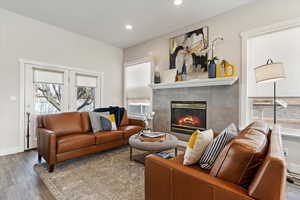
[
  {"x": 250, "y": 167},
  {"x": 66, "y": 136}
]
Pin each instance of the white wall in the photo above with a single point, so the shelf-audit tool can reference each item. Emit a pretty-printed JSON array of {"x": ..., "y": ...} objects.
[
  {"x": 22, "y": 37},
  {"x": 230, "y": 24}
]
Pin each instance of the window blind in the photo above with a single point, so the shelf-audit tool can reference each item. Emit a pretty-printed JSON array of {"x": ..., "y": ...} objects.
[
  {"x": 86, "y": 81},
  {"x": 138, "y": 78},
  {"x": 282, "y": 46},
  {"x": 44, "y": 76}
]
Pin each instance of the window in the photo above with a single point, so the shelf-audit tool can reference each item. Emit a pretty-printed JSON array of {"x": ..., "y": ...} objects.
[
  {"x": 85, "y": 92},
  {"x": 48, "y": 91},
  {"x": 138, "y": 94},
  {"x": 282, "y": 46}
]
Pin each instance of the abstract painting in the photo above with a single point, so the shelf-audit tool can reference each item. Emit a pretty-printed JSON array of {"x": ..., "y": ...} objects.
[{"x": 188, "y": 53}]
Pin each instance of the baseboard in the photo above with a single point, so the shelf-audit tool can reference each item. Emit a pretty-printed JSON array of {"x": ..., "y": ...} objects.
[{"x": 8, "y": 151}]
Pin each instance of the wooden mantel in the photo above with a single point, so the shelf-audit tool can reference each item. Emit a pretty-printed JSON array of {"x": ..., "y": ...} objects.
[{"x": 196, "y": 83}]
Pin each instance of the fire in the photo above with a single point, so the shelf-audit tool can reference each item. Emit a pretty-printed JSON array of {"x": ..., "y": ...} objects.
[{"x": 189, "y": 120}]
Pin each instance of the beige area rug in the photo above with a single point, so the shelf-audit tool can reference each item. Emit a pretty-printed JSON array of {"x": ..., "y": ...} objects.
[{"x": 108, "y": 175}]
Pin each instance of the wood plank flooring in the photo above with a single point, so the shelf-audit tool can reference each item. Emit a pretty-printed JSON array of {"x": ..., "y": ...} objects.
[{"x": 18, "y": 181}]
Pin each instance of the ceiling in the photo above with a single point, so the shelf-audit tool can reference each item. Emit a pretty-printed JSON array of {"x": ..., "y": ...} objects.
[{"x": 105, "y": 20}]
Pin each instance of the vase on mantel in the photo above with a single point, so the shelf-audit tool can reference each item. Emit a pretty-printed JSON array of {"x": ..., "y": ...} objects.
[{"x": 212, "y": 68}]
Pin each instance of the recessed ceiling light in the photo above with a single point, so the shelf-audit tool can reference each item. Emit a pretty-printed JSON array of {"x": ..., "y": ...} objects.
[
  {"x": 178, "y": 2},
  {"x": 128, "y": 27}
]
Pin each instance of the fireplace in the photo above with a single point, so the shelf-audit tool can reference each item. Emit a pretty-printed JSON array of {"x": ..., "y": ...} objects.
[{"x": 188, "y": 116}]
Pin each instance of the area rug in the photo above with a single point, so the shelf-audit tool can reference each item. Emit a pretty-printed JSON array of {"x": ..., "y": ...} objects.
[{"x": 108, "y": 175}]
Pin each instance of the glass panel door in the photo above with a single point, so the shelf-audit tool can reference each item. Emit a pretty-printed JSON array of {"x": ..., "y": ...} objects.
[
  {"x": 45, "y": 94},
  {"x": 50, "y": 90}
]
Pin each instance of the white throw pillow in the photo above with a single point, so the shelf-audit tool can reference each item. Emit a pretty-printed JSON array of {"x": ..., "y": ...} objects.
[{"x": 197, "y": 145}]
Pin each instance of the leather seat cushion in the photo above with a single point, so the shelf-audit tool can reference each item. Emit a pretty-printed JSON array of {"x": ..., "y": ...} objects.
[
  {"x": 239, "y": 160},
  {"x": 75, "y": 141},
  {"x": 86, "y": 122},
  {"x": 179, "y": 160},
  {"x": 64, "y": 123},
  {"x": 130, "y": 130},
  {"x": 108, "y": 136}
]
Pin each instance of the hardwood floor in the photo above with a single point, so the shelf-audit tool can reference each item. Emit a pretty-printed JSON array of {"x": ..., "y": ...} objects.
[{"x": 18, "y": 181}]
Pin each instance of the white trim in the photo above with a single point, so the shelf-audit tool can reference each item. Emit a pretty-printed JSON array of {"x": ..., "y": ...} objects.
[
  {"x": 22, "y": 106},
  {"x": 245, "y": 36},
  {"x": 138, "y": 61},
  {"x": 44, "y": 65},
  {"x": 11, "y": 151},
  {"x": 47, "y": 66}
]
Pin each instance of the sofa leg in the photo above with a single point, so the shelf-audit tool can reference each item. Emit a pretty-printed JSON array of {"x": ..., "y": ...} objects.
[
  {"x": 39, "y": 158},
  {"x": 51, "y": 168}
]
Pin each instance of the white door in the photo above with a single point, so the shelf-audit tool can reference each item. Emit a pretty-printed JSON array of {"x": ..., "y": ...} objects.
[
  {"x": 50, "y": 89},
  {"x": 45, "y": 93}
]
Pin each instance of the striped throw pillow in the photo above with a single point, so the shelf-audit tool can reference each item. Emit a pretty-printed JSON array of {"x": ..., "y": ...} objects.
[{"x": 212, "y": 151}]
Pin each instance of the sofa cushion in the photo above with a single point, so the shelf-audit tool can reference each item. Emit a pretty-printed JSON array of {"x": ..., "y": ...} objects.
[
  {"x": 130, "y": 130},
  {"x": 109, "y": 136},
  {"x": 86, "y": 122},
  {"x": 240, "y": 159},
  {"x": 64, "y": 123},
  {"x": 179, "y": 161},
  {"x": 75, "y": 141}
]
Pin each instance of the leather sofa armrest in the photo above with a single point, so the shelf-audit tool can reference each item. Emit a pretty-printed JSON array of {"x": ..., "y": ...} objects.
[
  {"x": 47, "y": 145},
  {"x": 165, "y": 180},
  {"x": 137, "y": 122}
]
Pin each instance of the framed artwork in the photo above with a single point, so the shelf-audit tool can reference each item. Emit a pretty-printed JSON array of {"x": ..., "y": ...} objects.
[{"x": 188, "y": 53}]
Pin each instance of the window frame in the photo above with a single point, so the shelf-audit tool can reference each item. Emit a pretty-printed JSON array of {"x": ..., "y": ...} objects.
[
  {"x": 244, "y": 108},
  {"x": 132, "y": 63}
]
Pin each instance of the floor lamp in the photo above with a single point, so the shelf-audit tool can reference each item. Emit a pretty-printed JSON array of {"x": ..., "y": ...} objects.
[{"x": 270, "y": 72}]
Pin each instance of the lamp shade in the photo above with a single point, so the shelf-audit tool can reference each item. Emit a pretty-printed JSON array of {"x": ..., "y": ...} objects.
[{"x": 269, "y": 73}]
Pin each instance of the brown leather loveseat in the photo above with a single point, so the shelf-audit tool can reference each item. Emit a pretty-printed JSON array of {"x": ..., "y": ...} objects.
[
  {"x": 250, "y": 167},
  {"x": 69, "y": 135}
]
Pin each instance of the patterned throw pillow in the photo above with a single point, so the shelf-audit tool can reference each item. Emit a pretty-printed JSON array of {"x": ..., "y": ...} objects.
[
  {"x": 108, "y": 122},
  {"x": 95, "y": 121},
  {"x": 196, "y": 146},
  {"x": 212, "y": 151}
]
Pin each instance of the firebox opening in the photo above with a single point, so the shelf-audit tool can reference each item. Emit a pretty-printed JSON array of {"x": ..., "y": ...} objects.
[{"x": 188, "y": 116}]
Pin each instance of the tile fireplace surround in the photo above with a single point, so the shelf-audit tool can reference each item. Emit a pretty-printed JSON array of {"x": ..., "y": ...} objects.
[{"x": 222, "y": 106}]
